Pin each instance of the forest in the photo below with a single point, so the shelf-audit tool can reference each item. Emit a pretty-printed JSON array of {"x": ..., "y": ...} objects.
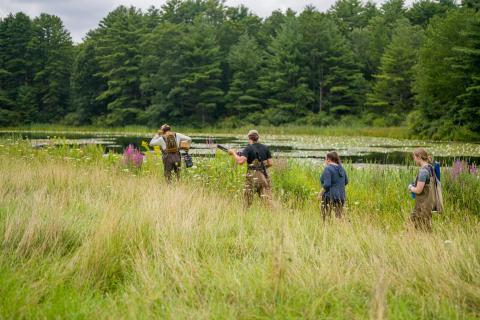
[{"x": 201, "y": 63}]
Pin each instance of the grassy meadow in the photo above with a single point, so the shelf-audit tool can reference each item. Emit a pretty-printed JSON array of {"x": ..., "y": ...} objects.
[{"x": 84, "y": 236}]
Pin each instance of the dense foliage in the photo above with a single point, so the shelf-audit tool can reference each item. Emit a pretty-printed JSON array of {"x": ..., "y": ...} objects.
[{"x": 200, "y": 62}]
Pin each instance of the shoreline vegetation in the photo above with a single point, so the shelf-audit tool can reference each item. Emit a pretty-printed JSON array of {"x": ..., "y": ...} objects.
[
  {"x": 385, "y": 132},
  {"x": 84, "y": 235}
]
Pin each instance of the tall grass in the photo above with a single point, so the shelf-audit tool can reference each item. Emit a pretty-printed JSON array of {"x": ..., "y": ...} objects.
[{"x": 84, "y": 237}]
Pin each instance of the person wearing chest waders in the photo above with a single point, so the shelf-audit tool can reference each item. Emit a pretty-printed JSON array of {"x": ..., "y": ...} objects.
[
  {"x": 170, "y": 143},
  {"x": 258, "y": 158},
  {"x": 333, "y": 181},
  {"x": 423, "y": 191}
]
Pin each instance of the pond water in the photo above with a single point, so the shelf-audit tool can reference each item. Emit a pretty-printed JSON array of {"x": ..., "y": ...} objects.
[{"x": 353, "y": 149}]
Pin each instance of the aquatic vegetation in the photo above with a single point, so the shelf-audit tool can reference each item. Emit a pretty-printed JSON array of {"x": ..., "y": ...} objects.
[{"x": 362, "y": 149}]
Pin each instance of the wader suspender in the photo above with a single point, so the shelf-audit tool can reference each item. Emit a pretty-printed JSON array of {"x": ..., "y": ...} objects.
[
  {"x": 261, "y": 167},
  {"x": 166, "y": 143},
  {"x": 432, "y": 174}
]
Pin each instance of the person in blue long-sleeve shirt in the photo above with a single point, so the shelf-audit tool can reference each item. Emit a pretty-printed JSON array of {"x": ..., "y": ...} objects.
[{"x": 333, "y": 181}]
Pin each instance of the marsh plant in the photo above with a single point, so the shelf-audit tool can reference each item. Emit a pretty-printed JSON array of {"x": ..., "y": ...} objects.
[
  {"x": 460, "y": 168},
  {"x": 132, "y": 157},
  {"x": 462, "y": 184},
  {"x": 80, "y": 238}
]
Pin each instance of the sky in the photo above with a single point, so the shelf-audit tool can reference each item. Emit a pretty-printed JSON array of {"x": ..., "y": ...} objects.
[{"x": 80, "y": 16}]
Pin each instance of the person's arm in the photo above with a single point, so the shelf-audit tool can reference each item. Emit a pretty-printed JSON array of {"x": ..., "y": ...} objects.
[
  {"x": 423, "y": 176},
  {"x": 157, "y": 140},
  {"x": 326, "y": 179},
  {"x": 269, "y": 161},
  {"x": 238, "y": 159},
  {"x": 419, "y": 188},
  {"x": 182, "y": 137}
]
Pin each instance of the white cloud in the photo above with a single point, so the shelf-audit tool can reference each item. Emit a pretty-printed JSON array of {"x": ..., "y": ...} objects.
[{"x": 81, "y": 16}]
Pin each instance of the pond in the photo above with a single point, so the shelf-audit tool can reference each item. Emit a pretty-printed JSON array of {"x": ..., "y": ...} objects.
[{"x": 353, "y": 149}]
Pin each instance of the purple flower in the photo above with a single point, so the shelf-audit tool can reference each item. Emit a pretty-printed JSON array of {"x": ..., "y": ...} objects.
[
  {"x": 461, "y": 167},
  {"x": 132, "y": 157},
  {"x": 473, "y": 170},
  {"x": 456, "y": 169}
]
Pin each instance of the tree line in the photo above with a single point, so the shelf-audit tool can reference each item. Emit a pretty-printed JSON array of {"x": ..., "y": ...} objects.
[{"x": 200, "y": 63}]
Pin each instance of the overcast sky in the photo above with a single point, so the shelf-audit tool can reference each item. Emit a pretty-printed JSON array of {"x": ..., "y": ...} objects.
[{"x": 79, "y": 16}]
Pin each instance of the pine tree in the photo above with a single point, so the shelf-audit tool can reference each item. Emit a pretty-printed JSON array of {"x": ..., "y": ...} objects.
[
  {"x": 352, "y": 14},
  {"x": 199, "y": 89},
  {"x": 370, "y": 42},
  {"x": 471, "y": 4},
  {"x": 182, "y": 73},
  {"x": 392, "y": 95},
  {"x": 186, "y": 11},
  {"x": 238, "y": 21},
  {"x": 333, "y": 74},
  {"x": 161, "y": 51},
  {"x": 423, "y": 10},
  {"x": 17, "y": 96},
  {"x": 119, "y": 57},
  {"x": 285, "y": 79},
  {"x": 52, "y": 53},
  {"x": 271, "y": 26},
  {"x": 446, "y": 78},
  {"x": 468, "y": 61},
  {"x": 245, "y": 61},
  {"x": 87, "y": 85}
]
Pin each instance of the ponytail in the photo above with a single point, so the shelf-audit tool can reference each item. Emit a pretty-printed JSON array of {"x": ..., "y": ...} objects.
[
  {"x": 334, "y": 157},
  {"x": 423, "y": 154}
]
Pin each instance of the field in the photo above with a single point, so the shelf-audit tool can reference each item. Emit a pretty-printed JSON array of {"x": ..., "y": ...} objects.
[{"x": 85, "y": 236}]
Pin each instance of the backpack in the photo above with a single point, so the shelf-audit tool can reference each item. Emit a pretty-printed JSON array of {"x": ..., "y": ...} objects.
[
  {"x": 437, "y": 188},
  {"x": 188, "y": 160},
  {"x": 438, "y": 196},
  {"x": 170, "y": 142}
]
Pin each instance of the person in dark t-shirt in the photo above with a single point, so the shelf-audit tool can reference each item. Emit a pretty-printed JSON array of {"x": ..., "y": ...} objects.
[{"x": 258, "y": 158}]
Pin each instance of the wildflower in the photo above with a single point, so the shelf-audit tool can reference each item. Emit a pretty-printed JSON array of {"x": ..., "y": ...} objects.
[
  {"x": 132, "y": 157},
  {"x": 473, "y": 170},
  {"x": 459, "y": 167},
  {"x": 145, "y": 145}
]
